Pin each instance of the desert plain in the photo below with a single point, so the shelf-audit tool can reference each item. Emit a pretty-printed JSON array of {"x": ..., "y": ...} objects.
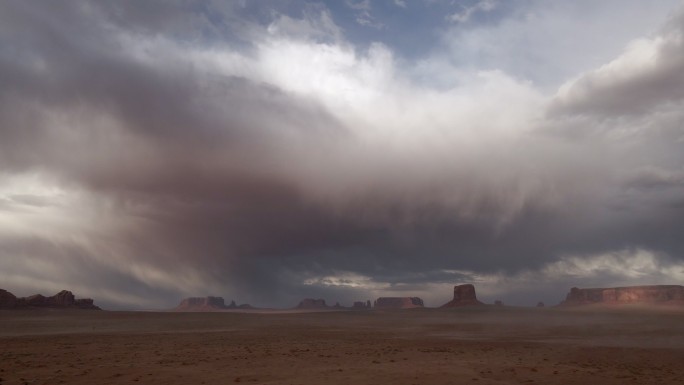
[{"x": 482, "y": 345}]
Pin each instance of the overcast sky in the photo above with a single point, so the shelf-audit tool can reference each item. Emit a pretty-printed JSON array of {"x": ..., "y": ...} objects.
[{"x": 267, "y": 151}]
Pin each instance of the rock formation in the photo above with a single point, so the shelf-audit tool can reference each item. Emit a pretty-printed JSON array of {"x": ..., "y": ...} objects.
[
  {"x": 62, "y": 300},
  {"x": 7, "y": 299},
  {"x": 655, "y": 294},
  {"x": 360, "y": 305},
  {"x": 310, "y": 303},
  {"x": 85, "y": 303},
  {"x": 464, "y": 295},
  {"x": 398, "y": 302},
  {"x": 34, "y": 300},
  {"x": 498, "y": 302},
  {"x": 208, "y": 304},
  {"x": 540, "y": 304}
]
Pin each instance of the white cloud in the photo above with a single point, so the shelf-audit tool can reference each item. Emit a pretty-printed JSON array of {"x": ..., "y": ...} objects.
[
  {"x": 543, "y": 42},
  {"x": 467, "y": 12},
  {"x": 314, "y": 24},
  {"x": 647, "y": 75},
  {"x": 362, "y": 5},
  {"x": 345, "y": 279},
  {"x": 631, "y": 265},
  {"x": 363, "y": 15}
]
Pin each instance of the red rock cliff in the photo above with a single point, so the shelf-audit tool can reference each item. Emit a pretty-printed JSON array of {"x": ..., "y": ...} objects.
[{"x": 655, "y": 294}]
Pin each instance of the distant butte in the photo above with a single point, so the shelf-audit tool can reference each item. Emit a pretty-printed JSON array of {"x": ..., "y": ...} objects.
[
  {"x": 646, "y": 295},
  {"x": 62, "y": 300},
  {"x": 208, "y": 304},
  {"x": 398, "y": 303},
  {"x": 361, "y": 305},
  {"x": 310, "y": 303},
  {"x": 464, "y": 295}
]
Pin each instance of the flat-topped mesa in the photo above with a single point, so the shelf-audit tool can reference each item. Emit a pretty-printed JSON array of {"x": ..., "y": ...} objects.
[
  {"x": 398, "y": 303},
  {"x": 199, "y": 304},
  {"x": 62, "y": 300},
  {"x": 202, "y": 304},
  {"x": 311, "y": 303},
  {"x": 85, "y": 303},
  {"x": 464, "y": 295},
  {"x": 647, "y": 295}
]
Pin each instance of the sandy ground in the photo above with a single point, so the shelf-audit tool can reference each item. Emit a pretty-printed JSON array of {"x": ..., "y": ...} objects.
[{"x": 488, "y": 345}]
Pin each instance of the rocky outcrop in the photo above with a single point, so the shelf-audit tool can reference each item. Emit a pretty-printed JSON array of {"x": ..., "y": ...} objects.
[
  {"x": 540, "y": 304},
  {"x": 209, "y": 304},
  {"x": 62, "y": 300},
  {"x": 398, "y": 302},
  {"x": 7, "y": 299},
  {"x": 85, "y": 303},
  {"x": 310, "y": 303},
  {"x": 203, "y": 304},
  {"x": 361, "y": 305},
  {"x": 35, "y": 300},
  {"x": 655, "y": 294},
  {"x": 464, "y": 295}
]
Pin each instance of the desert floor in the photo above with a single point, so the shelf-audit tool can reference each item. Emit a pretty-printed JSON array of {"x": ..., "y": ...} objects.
[{"x": 487, "y": 345}]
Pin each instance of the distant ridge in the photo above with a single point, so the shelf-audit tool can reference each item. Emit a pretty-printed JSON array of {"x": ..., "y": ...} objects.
[
  {"x": 311, "y": 303},
  {"x": 647, "y": 295},
  {"x": 208, "y": 304},
  {"x": 62, "y": 300},
  {"x": 398, "y": 303}
]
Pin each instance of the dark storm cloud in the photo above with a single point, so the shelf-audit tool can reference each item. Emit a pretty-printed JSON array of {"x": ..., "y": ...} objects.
[
  {"x": 185, "y": 150},
  {"x": 155, "y": 151}
]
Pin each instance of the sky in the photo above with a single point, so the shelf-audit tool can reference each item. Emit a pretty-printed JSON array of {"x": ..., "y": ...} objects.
[{"x": 268, "y": 151}]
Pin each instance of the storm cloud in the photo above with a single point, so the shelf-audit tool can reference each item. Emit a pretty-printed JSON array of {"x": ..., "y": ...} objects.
[{"x": 256, "y": 151}]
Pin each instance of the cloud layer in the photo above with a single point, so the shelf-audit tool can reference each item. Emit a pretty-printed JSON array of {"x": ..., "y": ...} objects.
[{"x": 152, "y": 153}]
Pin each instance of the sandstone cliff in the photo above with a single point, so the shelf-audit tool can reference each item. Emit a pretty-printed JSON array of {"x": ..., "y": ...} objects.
[
  {"x": 310, "y": 303},
  {"x": 464, "y": 295},
  {"x": 208, "y": 304},
  {"x": 398, "y": 302},
  {"x": 655, "y": 294},
  {"x": 201, "y": 304},
  {"x": 62, "y": 300}
]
